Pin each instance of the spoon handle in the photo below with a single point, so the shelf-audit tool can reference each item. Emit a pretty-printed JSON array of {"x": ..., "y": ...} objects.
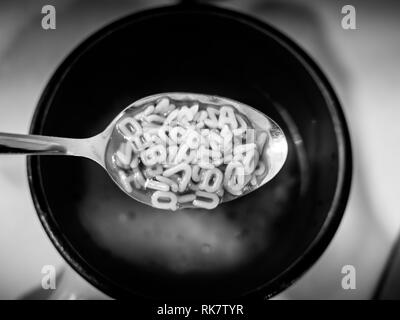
[{"x": 11, "y": 143}]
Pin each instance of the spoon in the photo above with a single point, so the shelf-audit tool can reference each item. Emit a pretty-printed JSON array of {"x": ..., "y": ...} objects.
[{"x": 95, "y": 148}]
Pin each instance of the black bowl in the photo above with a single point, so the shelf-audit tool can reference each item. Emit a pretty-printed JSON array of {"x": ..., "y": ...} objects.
[{"x": 254, "y": 246}]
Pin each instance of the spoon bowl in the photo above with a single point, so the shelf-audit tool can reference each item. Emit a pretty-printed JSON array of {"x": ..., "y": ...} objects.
[{"x": 96, "y": 148}]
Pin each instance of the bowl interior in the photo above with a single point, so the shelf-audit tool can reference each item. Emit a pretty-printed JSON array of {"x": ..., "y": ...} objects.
[{"x": 129, "y": 248}]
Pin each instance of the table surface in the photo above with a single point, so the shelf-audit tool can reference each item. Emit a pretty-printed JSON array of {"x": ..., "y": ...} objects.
[{"x": 362, "y": 64}]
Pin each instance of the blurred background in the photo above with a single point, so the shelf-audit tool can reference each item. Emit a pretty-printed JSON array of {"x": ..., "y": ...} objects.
[{"x": 362, "y": 64}]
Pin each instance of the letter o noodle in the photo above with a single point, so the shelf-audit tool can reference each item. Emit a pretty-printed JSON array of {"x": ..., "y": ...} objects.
[{"x": 158, "y": 197}]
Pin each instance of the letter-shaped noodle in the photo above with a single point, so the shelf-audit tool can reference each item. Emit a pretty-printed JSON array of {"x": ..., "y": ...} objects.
[
  {"x": 196, "y": 173},
  {"x": 139, "y": 143},
  {"x": 185, "y": 113},
  {"x": 177, "y": 134},
  {"x": 173, "y": 185},
  {"x": 172, "y": 151},
  {"x": 194, "y": 109},
  {"x": 149, "y": 110},
  {"x": 153, "y": 155},
  {"x": 212, "y": 121},
  {"x": 129, "y": 127},
  {"x": 261, "y": 141},
  {"x": 184, "y": 180},
  {"x": 211, "y": 201},
  {"x": 164, "y": 200},
  {"x": 242, "y": 123},
  {"x": 126, "y": 182},
  {"x": 193, "y": 140},
  {"x": 136, "y": 177},
  {"x": 214, "y": 136},
  {"x": 212, "y": 180},
  {"x": 124, "y": 155},
  {"x": 250, "y": 161},
  {"x": 156, "y": 185},
  {"x": 171, "y": 117},
  {"x": 185, "y": 154},
  {"x": 155, "y": 119},
  {"x": 135, "y": 161},
  {"x": 162, "y": 133},
  {"x": 162, "y": 105},
  {"x": 227, "y": 116},
  {"x": 260, "y": 168},
  {"x": 253, "y": 181},
  {"x": 234, "y": 178},
  {"x": 201, "y": 116},
  {"x": 154, "y": 170}
]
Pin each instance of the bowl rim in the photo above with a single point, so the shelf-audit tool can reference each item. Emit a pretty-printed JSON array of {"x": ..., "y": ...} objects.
[{"x": 328, "y": 229}]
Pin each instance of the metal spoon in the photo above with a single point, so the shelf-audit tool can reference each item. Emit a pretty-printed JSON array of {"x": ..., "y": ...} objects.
[{"x": 94, "y": 148}]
